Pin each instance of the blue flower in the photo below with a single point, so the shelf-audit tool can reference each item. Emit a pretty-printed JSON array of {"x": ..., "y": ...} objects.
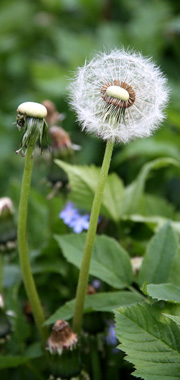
[
  {"x": 69, "y": 213},
  {"x": 111, "y": 337},
  {"x": 75, "y": 219}
]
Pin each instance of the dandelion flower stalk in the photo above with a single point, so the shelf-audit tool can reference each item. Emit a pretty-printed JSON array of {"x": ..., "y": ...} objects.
[
  {"x": 84, "y": 272},
  {"x": 31, "y": 115},
  {"x": 118, "y": 97}
]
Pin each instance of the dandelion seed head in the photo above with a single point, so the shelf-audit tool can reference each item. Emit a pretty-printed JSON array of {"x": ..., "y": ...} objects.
[{"x": 119, "y": 96}]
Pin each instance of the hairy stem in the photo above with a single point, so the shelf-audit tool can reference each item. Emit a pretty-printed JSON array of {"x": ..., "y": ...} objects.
[
  {"x": 23, "y": 247},
  {"x": 84, "y": 271}
]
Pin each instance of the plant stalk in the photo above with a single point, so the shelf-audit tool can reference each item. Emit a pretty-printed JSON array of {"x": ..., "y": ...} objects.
[
  {"x": 89, "y": 244},
  {"x": 28, "y": 279}
]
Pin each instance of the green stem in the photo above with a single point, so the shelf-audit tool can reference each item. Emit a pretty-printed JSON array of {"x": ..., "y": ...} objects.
[
  {"x": 84, "y": 271},
  {"x": 23, "y": 247}
]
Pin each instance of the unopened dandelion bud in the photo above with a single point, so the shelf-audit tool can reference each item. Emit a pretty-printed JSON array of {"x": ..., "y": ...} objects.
[
  {"x": 6, "y": 207},
  {"x": 31, "y": 119},
  {"x": 62, "y": 338},
  {"x": 136, "y": 263},
  {"x": 64, "y": 353},
  {"x": 8, "y": 232}
]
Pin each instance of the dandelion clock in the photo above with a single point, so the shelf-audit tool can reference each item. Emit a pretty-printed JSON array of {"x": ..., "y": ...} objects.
[{"x": 119, "y": 96}]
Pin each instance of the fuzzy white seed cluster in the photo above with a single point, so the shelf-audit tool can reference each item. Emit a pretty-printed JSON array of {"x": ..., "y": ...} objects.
[{"x": 106, "y": 119}]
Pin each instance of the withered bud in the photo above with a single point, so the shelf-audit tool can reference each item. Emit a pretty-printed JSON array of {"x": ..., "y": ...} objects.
[
  {"x": 53, "y": 116},
  {"x": 60, "y": 138},
  {"x": 62, "y": 338},
  {"x": 136, "y": 263},
  {"x": 6, "y": 207},
  {"x": 90, "y": 289}
]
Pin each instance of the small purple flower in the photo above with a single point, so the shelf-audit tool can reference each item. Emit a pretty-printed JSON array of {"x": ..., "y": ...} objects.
[
  {"x": 68, "y": 213},
  {"x": 74, "y": 219},
  {"x": 80, "y": 223},
  {"x": 111, "y": 337},
  {"x": 96, "y": 284}
]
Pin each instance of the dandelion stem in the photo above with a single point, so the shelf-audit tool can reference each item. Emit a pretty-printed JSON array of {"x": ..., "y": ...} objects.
[
  {"x": 84, "y": 271},
  {"x": 28, "y": 279}
]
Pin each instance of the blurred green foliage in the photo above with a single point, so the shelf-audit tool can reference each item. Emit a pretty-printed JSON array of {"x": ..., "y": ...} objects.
[{"x": 41, "y": 44}]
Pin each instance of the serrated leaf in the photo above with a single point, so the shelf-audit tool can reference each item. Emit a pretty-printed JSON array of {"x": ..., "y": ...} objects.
[
  {"x": 96, "y": 302},
  {"x": 135, "y": 190},
  {"x": 110, "y": 262},
  {"x": 164, "y": 292},
  {"x": 83, "y": 182},
  {"x": 161, "y": 250},
  {"x": 150, "y": 340}
]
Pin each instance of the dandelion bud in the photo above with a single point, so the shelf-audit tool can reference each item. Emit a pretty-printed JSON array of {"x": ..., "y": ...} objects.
[
  {"x": 136, "y": 263},
  {"x": 6, "y": 207},
  {"x": 31, "y": 119},
  {"x": 62, "y": 345},
  {"x": 8, "y": 233},
  {"x": 62, "y": 338}
]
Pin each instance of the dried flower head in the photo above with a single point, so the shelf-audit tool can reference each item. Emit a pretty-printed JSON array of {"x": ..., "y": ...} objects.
[
  {"x": 119, "y": 96},
  {"x": 53, "y": 116},
  {"x": 31, "y": 119},
  {"x": 62, "y": 337},
  {"x": 90, "y": 289}
]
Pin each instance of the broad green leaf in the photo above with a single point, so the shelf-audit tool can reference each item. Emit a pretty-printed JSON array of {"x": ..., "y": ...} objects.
[
  {"x": 165, "y": 292},
  {"x": 83, "y": 182},
  {"x": 110, "y": 262},
  {"x": 161, "y": 250},
  {"x": 147, "y": 148},
  {"x": 136, "y": 189},
  {"x": 97, "y": 302},
  {"x": 150, "y": 341}
]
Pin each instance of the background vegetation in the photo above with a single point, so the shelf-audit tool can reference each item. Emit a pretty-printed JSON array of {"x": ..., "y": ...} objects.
[{"x": 41, "y": 44}]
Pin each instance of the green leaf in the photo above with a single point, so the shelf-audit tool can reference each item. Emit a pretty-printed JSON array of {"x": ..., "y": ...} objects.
[
  {"x": 161, "y": 250},
  {"x": 151, "y": 205},
  {"x": 154, "y": 222},
  {"x": 83, "y": 182},
  {"x": 136, "y": 189},
  {"x": 34, "y": 351},
  {"x": 12, "y": 361},
  {"x": 174, "y": 318},
  {"x": 110, "y": 262},
  {"x": 165, "y": 292},
  {"x": 150, "y": 340},
  {"x": 97, "y": 302},
  {"x": 147, "y": 148}
]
